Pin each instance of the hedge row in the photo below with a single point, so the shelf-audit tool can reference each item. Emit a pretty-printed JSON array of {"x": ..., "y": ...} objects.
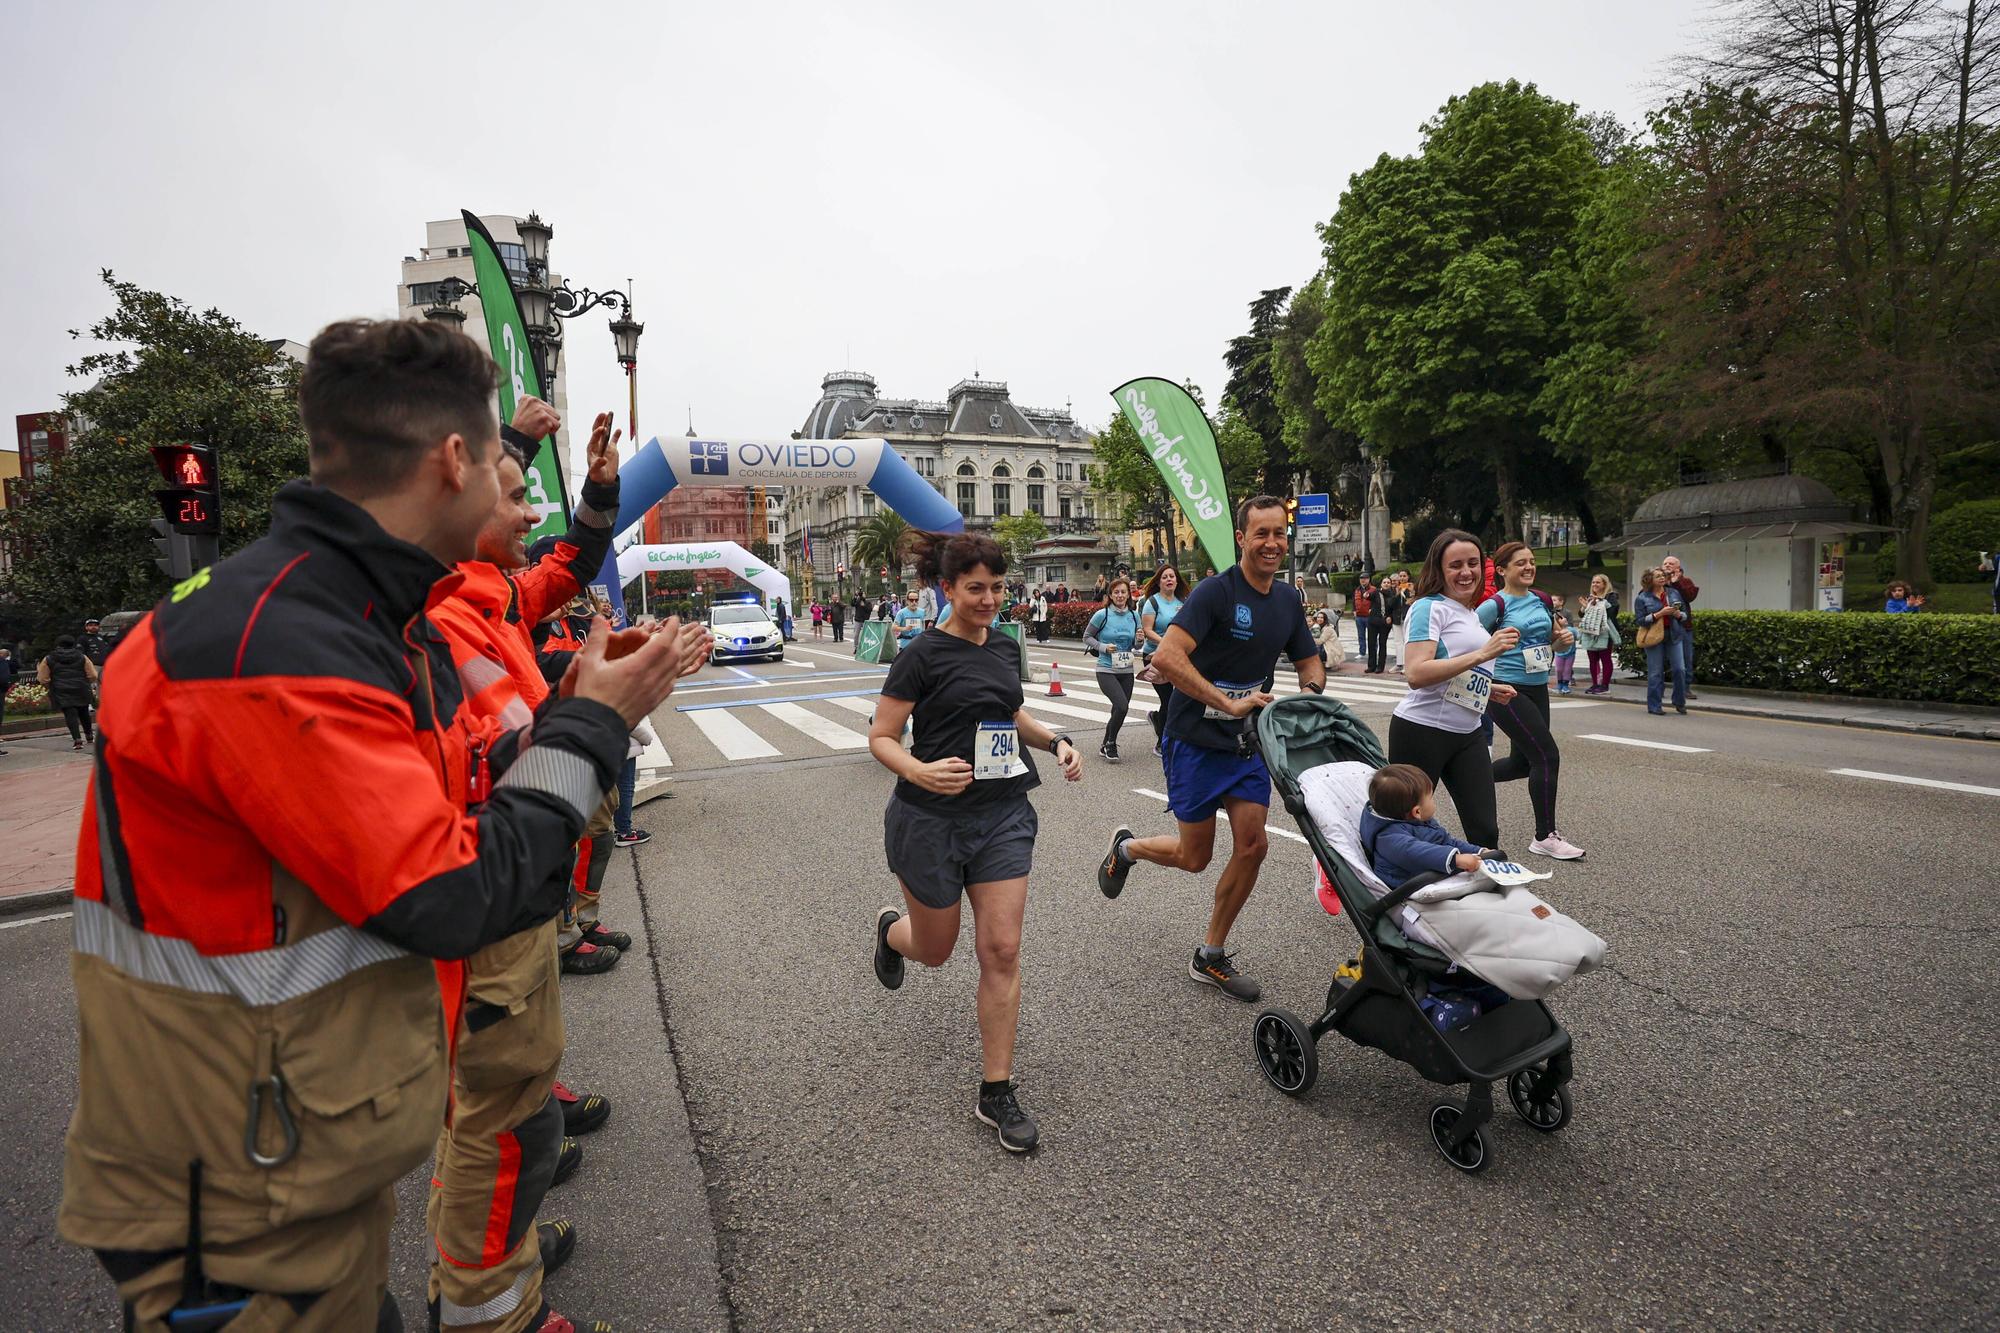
[
  {"x": 1867, "y": 654},
  {"x": 1066, "y": 619}
]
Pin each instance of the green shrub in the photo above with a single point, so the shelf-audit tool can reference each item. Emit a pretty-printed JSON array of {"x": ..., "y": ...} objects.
[
  {"x": 1925, "y": 657},
  {"x": 1958, "y": 535}
]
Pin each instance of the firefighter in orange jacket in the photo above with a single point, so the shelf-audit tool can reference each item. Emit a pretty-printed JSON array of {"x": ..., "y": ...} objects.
[
  {"x": 277, "y": 840},
  {"x": 503, "y": 1144}
]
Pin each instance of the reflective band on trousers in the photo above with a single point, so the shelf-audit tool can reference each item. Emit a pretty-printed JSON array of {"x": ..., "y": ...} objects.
[
  {"x": 264, "y": 976},
  {"x": 563, "y": 774},
  {"x": 508, "y": 1301}
]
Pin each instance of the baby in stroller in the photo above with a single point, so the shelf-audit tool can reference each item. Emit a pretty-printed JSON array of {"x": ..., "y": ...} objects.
[{"x": 1400, "y": 831}]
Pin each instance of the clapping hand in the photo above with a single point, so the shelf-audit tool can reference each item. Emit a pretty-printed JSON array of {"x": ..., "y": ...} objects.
[
  {"x": 535, "y": 418},
  {"x": 602, "y": 451}
]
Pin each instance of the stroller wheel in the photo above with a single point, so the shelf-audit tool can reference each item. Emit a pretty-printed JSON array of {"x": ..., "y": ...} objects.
[
  {"x": 1285, "y": 1052},
  {"x": 1474, "y": 1154},
  {"x": 1548, "y": 1115}
]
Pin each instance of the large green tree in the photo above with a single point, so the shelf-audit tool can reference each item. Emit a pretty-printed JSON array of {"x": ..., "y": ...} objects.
[
  {"x": 1441, "y": 313},
  {"x": 81, "y": 540},
  {"x": 1252, "y": 390}
]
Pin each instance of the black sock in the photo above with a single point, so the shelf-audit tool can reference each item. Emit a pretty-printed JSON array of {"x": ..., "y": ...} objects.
[{"x": 993, "y": 1087}]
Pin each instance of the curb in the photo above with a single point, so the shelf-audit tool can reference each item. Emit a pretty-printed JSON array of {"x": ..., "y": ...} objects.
[
  {"x": 1957, "y": 731},
  {"x": 22, "y": 903}
]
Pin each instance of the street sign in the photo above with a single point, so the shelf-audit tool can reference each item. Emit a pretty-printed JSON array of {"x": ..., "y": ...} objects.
[
  {"x": 1313, "y": 513},
  {"x": 1315, "y": 536}
]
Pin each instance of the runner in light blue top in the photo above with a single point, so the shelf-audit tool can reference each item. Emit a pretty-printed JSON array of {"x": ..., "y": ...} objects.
[
  {"x": 1536, "y": 755},
  {"x": 1158, "y": 606},
  {"x": 1113, "y": 634},
  {"x": 1527, "y": 613}
]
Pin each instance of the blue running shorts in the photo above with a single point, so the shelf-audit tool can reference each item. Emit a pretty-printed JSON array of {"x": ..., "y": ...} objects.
[{"x": 1199, "y": 780}]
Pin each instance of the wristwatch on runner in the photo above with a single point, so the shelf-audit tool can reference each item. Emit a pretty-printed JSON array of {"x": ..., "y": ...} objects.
[{"x": 1056, "y": 740}]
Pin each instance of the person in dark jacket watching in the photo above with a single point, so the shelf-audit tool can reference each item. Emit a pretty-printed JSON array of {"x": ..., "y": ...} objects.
[
  {"x": 1685, "y": 586},
  {"x": 72, "y": 680},
  {"x": 96, "y": 646}
]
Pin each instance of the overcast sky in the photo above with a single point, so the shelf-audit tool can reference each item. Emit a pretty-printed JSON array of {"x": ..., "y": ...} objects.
[{"x": 1059, "y": 195}]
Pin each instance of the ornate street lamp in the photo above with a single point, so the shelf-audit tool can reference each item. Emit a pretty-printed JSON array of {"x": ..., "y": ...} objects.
[
  {"x": 535, "y": 235},
  {"x": 443, "y": 306}
]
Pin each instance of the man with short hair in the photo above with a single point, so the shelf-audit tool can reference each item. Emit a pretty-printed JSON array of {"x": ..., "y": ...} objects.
[
  {"x": 1688, "y": 591},
  {"x": 1224, "y": 642},
  {"x": 287, "y": 821}
]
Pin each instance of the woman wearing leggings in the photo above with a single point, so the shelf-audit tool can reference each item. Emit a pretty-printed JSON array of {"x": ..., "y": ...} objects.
[
  {"x": 1113, "y": 634},
  {"x": 1157, "y": 609},
  {"x": 1439, "y": 725},
  {"x": 1525, "y": 717},
  {"x": 959, "y": 826}
]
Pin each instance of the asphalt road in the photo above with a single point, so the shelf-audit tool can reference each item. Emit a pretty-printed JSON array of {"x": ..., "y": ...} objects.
[{"x": 1782, "y": 1118}]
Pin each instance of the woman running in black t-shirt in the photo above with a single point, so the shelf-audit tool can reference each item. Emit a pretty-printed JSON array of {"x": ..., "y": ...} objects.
[{"x": 959, "y": 822}]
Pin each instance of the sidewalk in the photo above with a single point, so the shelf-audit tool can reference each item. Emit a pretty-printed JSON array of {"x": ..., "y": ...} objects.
[
  {"x": 1871, "y": 714},
  {"x": 42, "y": 783}
]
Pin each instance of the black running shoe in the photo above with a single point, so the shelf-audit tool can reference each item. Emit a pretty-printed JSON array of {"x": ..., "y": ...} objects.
[
  {"x": 1002, "y": 1112},
  {"x": 1108, "y": 752},
  {"x": 888, "y": 963},
  {"x": 558, "y": 1241},
  {"x": 1111, "y": 875},
  {"x": 568, "y": 1158},
  {"x": 1218, "y": 972}
]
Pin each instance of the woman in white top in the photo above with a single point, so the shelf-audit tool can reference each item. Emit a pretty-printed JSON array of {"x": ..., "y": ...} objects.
[{"x": 1438, "y": 726}]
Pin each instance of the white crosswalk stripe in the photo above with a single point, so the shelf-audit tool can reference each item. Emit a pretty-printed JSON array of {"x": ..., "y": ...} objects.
[
  {"x": 822, "y": 729},
  {"x": 728, "y": 734},
  {"x": 863, "y": 704}
]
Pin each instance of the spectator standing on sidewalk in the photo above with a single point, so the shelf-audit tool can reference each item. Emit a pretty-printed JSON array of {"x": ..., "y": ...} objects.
[
  {"x": 1385, "y": 606},
  {"x": 1671, "y": 568},
  {"x": 72, "y": 681},
  {"x": 836, "y": 612},
  {"x": 1597, "y": 632},
  {"x": 1659, "y": 603},
  {"x": 95, "y": 644},
  {"x": 6, "y": 682},
  {"x": 1039, "y": 615},
  {"x": 1363, "y": 606},
  {"x": 1565, "y": 657},
  {"x": 1398, "y": 634}
]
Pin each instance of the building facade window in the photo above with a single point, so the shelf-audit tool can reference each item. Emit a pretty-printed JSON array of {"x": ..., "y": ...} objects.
[
  {"x": 968, "y": 498},
  {"x": 1064, "y": 502},
  {"x": 1003, "y": 499},
  {"x": 1064, "y": 473},
  {"x": 1036, "y": 504}
]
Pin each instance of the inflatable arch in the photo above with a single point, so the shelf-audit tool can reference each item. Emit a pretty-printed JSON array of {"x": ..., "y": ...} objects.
[
  {"x": 660, "y": 466},
  {"x": 636, "y": 560}
]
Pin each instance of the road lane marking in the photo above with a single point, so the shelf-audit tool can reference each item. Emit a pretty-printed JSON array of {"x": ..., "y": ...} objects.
[
  {"x": 727, "y": 733},
  {"x": 774, "y": 682},
  {"x": 33, "y": 920},
  {"x": 856, "y": 703},
  {"x": 821, "y": 652},
  {"x": 822, "y": 729},
  {"x": 1071, "y": 710},
  {"x": 765, "y": 703},
  {"x": 1916, "y": 782},
  {"x": 1268, "y": 826},
  {"x": 1650, "y": 745}
]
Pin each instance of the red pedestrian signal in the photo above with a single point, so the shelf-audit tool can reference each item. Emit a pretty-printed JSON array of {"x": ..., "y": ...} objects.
[{"x": 191, "y": 501}]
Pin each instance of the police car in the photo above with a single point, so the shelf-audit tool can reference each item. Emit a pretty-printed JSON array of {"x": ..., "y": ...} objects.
[{"x": 744, "y": 631}]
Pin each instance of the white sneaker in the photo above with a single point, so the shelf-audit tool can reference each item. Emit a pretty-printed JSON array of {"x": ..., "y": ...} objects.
[{"x": 1554, "y": 846}]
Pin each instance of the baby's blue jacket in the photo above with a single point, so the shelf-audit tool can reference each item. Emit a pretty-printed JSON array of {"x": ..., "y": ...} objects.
[{"x": 1400, "y": 849}]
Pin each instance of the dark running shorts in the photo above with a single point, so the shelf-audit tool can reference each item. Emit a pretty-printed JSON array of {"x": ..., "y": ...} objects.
[
  {"x": 937, "y": 855},
  {"x": 1199, "y": 780}
]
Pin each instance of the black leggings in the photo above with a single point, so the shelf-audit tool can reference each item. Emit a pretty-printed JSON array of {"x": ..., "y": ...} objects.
[
  {"x": 1166, "y": 693},
  {"x": 1459, "y": 760},
  {"x": 1534, "y": 756},
  {"x": 79, "y": 724},
  {"x": 1117, "y": 687}
]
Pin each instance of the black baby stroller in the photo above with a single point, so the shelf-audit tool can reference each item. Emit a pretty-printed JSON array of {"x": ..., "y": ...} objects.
[{"x": 1519, "y": 1041}]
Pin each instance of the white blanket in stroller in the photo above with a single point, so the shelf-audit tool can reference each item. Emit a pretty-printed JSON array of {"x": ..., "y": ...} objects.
[{"x": 1508, "y": 936}]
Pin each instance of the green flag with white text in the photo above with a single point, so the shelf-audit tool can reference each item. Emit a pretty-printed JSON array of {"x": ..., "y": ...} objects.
[
  {"x": 507, "y": 340},
  {"x": 1176, "y": 435}
]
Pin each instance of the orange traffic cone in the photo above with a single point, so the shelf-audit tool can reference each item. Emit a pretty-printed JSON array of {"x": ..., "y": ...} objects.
[{"x": 1055, "y": 680}]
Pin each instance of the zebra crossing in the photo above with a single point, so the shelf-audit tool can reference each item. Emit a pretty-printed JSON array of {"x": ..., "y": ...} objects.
[{"x": 819, "y": 703}]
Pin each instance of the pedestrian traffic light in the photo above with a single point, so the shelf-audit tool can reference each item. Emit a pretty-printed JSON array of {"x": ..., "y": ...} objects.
[
  {"x": 191, "y": 500},
  {"x": 171, "y": 551}
]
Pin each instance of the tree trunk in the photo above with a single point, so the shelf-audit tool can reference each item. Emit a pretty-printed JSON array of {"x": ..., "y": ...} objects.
[
  {"x": 1592, "y": 534},
  {"x": 1913, "y": 480},
  {"x": 1510, "y": 500}
]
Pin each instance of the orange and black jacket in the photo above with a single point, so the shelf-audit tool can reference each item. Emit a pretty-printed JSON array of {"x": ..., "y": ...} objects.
[
  {"x": 511, "y": 605},
  {"x": 290, "y": 714}
]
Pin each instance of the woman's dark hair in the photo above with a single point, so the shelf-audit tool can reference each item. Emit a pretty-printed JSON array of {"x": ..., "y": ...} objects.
[
  {"x": 1505, "y": 555},
  {"x": 1430, "y": 579},
  {"x": 1153, "y": 583},
  {"x": 1652, "y": 578},
  {"x": 1396, "y": 788},
  {"x": 942, "y": 557},
  {"x": 66, "y": 641},
  {"x": 1112, "y": 587}
]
